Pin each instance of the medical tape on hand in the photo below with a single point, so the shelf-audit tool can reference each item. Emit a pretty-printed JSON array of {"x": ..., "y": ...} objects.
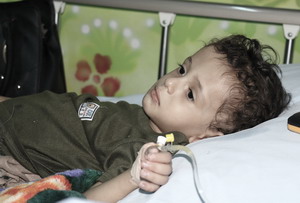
[
  {"x": 166, "y": 144},
  {"x": 137, "y": 165}
]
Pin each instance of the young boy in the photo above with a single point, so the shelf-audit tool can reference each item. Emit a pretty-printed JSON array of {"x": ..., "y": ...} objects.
[{"x": 225, "y": 87}]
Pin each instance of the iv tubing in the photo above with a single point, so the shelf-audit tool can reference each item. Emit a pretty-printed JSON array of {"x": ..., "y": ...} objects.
[{"x": 172, "y": 148}]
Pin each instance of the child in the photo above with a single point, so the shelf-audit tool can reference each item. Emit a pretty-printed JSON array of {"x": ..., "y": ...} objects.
[{"x": 225, "y": 87}]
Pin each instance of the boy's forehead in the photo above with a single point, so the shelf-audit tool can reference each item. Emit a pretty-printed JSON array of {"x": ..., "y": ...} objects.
[
  {"x": 201, "y": 51},
  {"x": 208, "y": 51},
  {"x": 208, "y": 55}
]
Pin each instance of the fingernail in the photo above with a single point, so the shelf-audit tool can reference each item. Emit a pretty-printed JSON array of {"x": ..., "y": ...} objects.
[
  {"x": 145, "y": 164},
  {"x": 144, "y": 174},
  {"x": 141, "y": 184},
  {"x": 150, "y": 156}
]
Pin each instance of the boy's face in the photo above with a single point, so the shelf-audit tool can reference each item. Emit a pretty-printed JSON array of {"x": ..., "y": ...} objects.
[{"x": 188, "y": 98}]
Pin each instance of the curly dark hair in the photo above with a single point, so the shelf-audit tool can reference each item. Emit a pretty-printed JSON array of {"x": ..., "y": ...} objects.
[{"x": 257, "y": 94}]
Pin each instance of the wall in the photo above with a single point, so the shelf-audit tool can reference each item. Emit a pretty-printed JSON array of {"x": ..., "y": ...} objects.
[{"x": 116, "y": 52}]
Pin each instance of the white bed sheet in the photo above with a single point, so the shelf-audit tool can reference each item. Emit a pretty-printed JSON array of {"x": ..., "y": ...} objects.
[{"x": 258, "y": 165}]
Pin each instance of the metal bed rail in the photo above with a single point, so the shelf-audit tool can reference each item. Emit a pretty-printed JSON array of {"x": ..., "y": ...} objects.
[{"x": 289, "y": 18}]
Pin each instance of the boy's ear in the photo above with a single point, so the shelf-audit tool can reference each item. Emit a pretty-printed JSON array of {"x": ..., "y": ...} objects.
[{"x": 208, "y": 133}]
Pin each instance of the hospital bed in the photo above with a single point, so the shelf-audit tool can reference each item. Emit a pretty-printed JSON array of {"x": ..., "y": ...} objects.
[
  {"x": 258, "y": 165},
  {"x": 261, "y": 164}
]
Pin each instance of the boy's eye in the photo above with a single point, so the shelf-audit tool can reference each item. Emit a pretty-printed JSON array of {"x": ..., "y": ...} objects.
[
  {"x": 181, "y": 70},
  {"x": 190, "y": 95}
]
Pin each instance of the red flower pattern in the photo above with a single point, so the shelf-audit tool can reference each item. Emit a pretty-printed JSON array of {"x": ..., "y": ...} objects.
[
  {"x": 109, "y": 86},
  {"x": 90, "y": 89},
  {"x": 83, "y": 71},
  {"x": 102, "y": 63}
]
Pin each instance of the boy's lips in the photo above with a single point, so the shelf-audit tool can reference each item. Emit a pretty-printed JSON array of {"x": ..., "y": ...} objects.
[{"x": 155, "y": 96}]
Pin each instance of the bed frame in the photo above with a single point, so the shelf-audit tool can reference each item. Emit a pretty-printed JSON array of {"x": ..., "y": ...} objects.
[{"x": 168, "y": 9}]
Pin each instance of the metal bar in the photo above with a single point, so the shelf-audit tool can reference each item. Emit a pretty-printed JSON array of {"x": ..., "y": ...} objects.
[
  {"x": 290, "y": 33},
  {"x": 288, "y": 53},
  {"x": 203, "y": 9},
  {"x": 162, "y": 69},
  {"x": 166, "y": 20}
]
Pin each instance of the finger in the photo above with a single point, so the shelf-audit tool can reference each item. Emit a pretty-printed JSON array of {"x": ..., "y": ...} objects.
[
  {"x": 152, "y": 149},
  {"x": 154, "y": 178},
  {"x": 147, "y": 186},
  {"x": 161, "y": 157},
  {"x": 159, "y": 168}
]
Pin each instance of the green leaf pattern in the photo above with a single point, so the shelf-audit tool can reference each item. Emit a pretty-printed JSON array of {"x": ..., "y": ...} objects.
[{"x": 132, "y": 40}]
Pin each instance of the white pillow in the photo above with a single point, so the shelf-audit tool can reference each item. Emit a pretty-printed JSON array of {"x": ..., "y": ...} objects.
[
  {"x": 258, "y": 165},
  {"x": 133, "y": 99}
]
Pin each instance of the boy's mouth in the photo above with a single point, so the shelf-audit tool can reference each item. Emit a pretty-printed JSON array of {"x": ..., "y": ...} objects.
[{"x": 155, "y": 96}]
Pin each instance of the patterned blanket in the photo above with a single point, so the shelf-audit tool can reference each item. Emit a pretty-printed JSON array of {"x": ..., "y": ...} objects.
[{"x": 53, "y": 188}]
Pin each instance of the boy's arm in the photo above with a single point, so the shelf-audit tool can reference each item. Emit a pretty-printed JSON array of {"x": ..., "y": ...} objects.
[
  {"x": 112, "y": 190},
  {"x": 3, "y": 98},
  {"x": 155, "y": 172}
]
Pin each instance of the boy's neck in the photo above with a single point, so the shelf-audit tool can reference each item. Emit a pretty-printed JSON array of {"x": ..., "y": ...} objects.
[{"x": 154, "y": 127}]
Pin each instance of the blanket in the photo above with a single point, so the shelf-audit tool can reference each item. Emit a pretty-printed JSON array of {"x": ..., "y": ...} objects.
[{"x": 71, "y": 183}]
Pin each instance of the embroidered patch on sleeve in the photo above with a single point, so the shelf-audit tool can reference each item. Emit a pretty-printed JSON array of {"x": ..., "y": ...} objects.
[{"x": 87, "y": 111}]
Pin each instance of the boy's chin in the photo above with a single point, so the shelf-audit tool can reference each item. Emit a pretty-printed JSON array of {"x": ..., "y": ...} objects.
[
  {"x": 144, "y": 100},
  {"x": 147, "y": 100}
]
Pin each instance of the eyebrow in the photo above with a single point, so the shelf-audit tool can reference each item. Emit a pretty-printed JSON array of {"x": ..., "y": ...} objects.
[{"x": 189, "y": 59}]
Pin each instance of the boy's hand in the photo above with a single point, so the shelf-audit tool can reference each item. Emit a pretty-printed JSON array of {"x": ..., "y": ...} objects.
[{"x": 156, "y": 168}]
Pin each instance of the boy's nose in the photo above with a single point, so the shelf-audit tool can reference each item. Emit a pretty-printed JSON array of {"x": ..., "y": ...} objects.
[{"x": 171, "y": 84}]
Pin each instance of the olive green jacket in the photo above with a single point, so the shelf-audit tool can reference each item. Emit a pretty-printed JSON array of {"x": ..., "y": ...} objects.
[{"x": 49, "y": 133}]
